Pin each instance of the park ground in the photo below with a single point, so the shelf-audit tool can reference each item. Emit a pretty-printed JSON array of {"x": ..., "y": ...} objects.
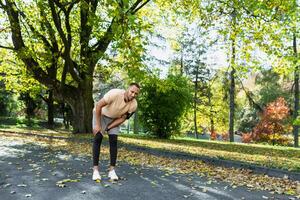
[{"x": 49, "y": 165}]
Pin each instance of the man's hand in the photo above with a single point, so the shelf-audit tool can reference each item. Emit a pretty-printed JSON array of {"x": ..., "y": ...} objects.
[{"x": 97, "y": 129}]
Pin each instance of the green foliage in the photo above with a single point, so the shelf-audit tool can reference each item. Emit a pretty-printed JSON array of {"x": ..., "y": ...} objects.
[
  {"x": 16, "y": 77},
  {"x": 7, "y": 102},
  {"x": 271, "y": 86},
  {"x": 31, "y": 105},
  {"x": 213, "y": 106},
  {"x": 247, "y": 120},
  {"x": 163, "y": 102}
]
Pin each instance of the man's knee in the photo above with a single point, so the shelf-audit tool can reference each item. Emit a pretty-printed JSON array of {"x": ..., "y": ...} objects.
[{"x": 98, "y": 137}]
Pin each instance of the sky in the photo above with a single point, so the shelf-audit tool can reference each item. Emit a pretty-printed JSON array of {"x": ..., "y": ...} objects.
[{"x": 162, "y": 50}]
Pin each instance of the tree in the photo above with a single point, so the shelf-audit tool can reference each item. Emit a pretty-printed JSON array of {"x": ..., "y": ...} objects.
[
  {"x": 6, "y": 100},
  {"x": 278, "y": 37},
  {"x": 271, "y": 85},
  {"x": 18, "y": 81},
  {"x": 60, "y": 44},
  {"x": 194, "y": 44},
  {"x": 271, "y": 126},
  {"x": 30, "y": 105},
  {"x": 233, "y": 24},
  {"x": 163, "y": 102}
]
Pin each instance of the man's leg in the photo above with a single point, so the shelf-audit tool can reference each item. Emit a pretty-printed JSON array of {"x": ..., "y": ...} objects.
[
  {"x": 96, "y": 149},
  {"x": 96, "y": 153},
  {"x": 113, "y": 150}
]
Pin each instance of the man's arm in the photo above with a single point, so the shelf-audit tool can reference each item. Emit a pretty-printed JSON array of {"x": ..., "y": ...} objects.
[
  {"x": 98, "y": 110},
  {"x": 119, "y": 121},
  {"x": 116, "y": 122}
]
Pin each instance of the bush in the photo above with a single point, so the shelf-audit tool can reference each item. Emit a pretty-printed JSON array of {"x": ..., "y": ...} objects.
[
  {"x": 225, "y": 136},
  {"x": 213, "y": 135},
  {"x": 163, "y": 103},
  {"x": 247, "y": 137},
  {"x": 247, "y": 120},
  {"x": 271, "y": 126},
  {"x": 7, "y": 103}
]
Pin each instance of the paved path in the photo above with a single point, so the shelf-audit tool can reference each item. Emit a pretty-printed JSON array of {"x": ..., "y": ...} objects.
[{"x": 30, "y": 171}]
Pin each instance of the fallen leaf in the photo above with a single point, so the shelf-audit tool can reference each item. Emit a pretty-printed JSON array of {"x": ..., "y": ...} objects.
[
  {"x": 298, "y": 188},
  {"x": 22, "y": 185},
  {"x": 6, "y": 185},
  {"x": 61, "y": 185}
]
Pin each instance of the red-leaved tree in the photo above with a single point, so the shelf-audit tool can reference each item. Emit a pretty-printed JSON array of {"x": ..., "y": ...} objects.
[{"x": 271, "y": 126}]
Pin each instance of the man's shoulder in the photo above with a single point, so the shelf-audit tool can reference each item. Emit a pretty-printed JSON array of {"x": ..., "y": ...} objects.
[
  {"x": 116, "y": 91},
  {"x": 134, "y": 103}
]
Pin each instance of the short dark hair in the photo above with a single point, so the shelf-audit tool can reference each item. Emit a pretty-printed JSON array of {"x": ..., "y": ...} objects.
[{"x": 135, "y": 84}]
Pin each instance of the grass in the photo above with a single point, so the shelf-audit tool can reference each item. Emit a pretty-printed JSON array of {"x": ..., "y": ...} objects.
[{"x": 21, "y": 124}]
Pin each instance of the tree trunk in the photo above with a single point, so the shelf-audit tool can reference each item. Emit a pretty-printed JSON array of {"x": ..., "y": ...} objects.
[
  {"x": 82, "y": 108},
  {"x": 30, "y": 106},
  {"x": 211, "y": 114},
  {"x": 232, "y": 80},
  {"x": 296, "y": 95},
  {"x": 181, "y": 63},
  {"x": 136, "y": 123},
  {"x": 195, "y": 103},
  {"x": 50, "y": 105},
  {"x": 231, "y": 105}
]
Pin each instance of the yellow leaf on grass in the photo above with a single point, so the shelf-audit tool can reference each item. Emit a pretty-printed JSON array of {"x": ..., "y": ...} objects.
[{"x": 298, "y": 188}]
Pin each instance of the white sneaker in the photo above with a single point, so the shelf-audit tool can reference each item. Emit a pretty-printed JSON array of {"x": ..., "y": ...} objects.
[
  {"x": 112, "y": 175},
  {"x": 96, "y": 175}
]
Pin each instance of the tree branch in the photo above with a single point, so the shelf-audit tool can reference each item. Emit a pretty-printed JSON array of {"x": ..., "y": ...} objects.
[
  {"x": 45, "y": 99},
  {"x": 68, "y": 67},
  {"x": 2, "y": 5},
  {"x": 86, "y": 29},
  {"x": 9, "y": 48},
  {"x": 41, "y": 36},
  {"x": 51, "y": 33},
  {"x": 56, "y": 20},
  {"x": 21, "y": 50},
  {"x": 141, "y": 6},
  {"x": 67, "y": 21},
  {"x": 103, "y": 43},
  {"x": 251, "y": 100},
  {"x": 134, "y": 6}
]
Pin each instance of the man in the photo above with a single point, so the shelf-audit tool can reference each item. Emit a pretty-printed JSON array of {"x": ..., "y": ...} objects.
[{"x": 110, "y": 112}]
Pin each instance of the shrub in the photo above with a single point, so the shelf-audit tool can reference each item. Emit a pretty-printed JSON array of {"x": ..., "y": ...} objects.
[
  {"x": 163, "y": 103},
  {"x": 247, "y": 137},
  {"x": 225, "y": 136},
  {"x": 213, "y": 135},
  {"x": 271, "y": 126}
]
